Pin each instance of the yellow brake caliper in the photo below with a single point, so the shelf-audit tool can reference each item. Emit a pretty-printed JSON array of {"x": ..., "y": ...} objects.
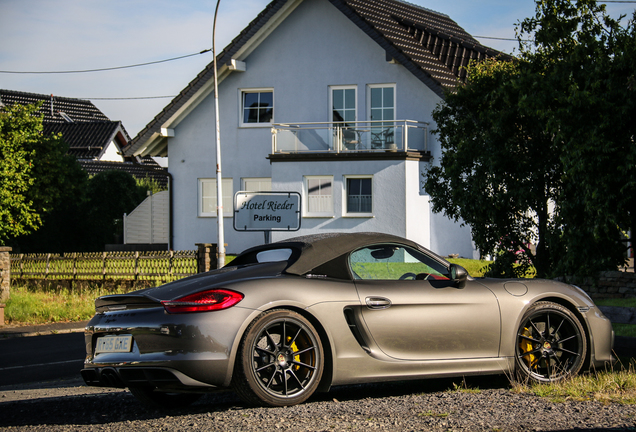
[
  {"x": 294, "y": 348},
  {"x": 526, "y": 346}
]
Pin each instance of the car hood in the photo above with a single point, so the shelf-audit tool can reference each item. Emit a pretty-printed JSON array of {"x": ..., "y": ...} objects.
[{"x": 534, "y": 287}]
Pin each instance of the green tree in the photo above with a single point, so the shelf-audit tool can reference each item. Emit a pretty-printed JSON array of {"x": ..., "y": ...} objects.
[
  {"x": 586, "y": 61},
  {"x": 150, "y": 184},
  {"x": 541, "y": 150},
  {"x": 110, "y": 194},
  {"x": 499, "y": 171},
  {"x": 37, "y": 174},
  {"x": 18, "y": 129}
]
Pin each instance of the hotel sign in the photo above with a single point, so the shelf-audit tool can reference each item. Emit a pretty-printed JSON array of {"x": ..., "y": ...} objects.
[{"x": 266, "y": 211}]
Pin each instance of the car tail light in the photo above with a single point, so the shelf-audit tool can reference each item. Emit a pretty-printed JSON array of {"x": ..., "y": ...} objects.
[{"x": 204, "y": 301}]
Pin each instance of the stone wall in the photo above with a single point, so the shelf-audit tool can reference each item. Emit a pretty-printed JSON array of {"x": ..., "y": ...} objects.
[
  {"x": 5, "y": 273},
  {"x": 611, "y": 284}
]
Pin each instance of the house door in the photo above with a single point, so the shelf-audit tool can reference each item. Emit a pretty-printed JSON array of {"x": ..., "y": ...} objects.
[
  {"x": 382, "y": 114},
  {"x": 343, "y": 116}
]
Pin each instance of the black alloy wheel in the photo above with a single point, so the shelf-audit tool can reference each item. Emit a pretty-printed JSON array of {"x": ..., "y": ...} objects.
[
  {"x": 280, "y": 360},
  {"x": 550, "y": 344}
]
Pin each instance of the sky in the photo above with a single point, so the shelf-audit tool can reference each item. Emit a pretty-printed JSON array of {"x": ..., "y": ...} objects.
[{"x": 67, "y": 35}]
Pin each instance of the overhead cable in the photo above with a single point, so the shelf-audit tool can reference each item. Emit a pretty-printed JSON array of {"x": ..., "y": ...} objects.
[{"x": 108, "y": 68}]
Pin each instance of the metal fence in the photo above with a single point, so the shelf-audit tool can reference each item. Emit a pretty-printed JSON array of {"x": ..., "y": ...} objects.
[{"x": 160, "y": 266}]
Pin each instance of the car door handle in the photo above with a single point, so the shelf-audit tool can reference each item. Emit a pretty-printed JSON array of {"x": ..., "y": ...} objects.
[{"x": 378, "y": 302}]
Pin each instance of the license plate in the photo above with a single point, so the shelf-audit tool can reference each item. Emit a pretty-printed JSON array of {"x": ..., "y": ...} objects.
[{"x": 113, "y": 344}]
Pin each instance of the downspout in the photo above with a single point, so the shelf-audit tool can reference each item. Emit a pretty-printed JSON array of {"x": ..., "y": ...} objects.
[{"x": 170, "y": 211}]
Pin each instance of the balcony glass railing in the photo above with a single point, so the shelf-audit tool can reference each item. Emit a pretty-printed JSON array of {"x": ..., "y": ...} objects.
[{"x": 363, "y": 136}]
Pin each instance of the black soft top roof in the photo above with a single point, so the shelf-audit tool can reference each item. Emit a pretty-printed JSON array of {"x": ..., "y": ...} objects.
[{"x": 324, "y": 254}]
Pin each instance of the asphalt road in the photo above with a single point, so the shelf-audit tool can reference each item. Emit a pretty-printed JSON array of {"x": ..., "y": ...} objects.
[
  {"x": 59, "y": 356},
  {"x": 41, "y": 358}
]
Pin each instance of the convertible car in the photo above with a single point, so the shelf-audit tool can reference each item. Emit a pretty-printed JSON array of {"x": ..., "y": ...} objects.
[{"x": 287, "y": 319}]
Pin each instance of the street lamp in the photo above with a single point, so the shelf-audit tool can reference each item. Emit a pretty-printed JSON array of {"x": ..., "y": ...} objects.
[{"x": 219, "y": 183}]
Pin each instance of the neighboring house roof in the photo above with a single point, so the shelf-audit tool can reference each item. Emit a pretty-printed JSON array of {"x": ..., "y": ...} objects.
[
  {"x": 86, "y": 129},
  {"x": 88, "y": 140},
  {"x": 55, "y": 108},
  {"x": 429, "y": 44},
  {"x": 148, "y": 168}
]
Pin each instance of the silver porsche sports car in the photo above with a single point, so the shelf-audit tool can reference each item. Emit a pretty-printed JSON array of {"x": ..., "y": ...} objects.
[{"x": 287, "y": 319}]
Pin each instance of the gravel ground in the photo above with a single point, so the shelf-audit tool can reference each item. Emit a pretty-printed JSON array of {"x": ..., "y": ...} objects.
[{"x": 404, "y": 406}]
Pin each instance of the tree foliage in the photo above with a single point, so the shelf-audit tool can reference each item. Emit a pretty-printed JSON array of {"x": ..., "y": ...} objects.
[
  {"x": 47, "y": 202},
  {"x": 110, "y": 194},
  {"x": 36, "y": 172},
  {"x": 17, "y": 129},
  {"x": 541, "y": 150}
]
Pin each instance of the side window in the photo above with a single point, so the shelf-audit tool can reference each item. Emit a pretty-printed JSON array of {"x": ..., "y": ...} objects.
[
  {"x": 395, "y": 262},
  {"x": 359, "y": 196},
  {"x": 257, "y": 184},
  {"x": 207, "y": 197},
  {"x": 257, "y": 107},
  {"x": 319, "y": 196}
]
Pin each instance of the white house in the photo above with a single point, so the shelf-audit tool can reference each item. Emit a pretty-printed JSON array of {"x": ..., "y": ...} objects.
[{"x": 328, "y": 98}]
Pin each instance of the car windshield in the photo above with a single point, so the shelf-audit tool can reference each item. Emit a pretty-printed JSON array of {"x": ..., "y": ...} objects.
[{"x": 393, "y": 262}]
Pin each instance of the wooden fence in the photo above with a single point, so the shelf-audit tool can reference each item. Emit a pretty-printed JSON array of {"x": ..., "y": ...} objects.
[{"x": 158, "y": 266}]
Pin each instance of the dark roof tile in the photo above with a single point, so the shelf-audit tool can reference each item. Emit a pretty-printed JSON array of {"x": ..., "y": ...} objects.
[
  {"x": 78, "y": 110},
  {"x": 149, "y": 168}
]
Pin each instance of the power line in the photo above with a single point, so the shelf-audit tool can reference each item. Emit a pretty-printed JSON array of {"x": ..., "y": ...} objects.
[
  {"x": 500, "y": 38},
  {"x": 109, "y": 68},
  {"x": 128, "y": 98}
]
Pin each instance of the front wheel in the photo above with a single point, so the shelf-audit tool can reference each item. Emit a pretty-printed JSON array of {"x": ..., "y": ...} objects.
[
  {"x": 550, "y": 343},
  {"x": 280, "y": 360}
]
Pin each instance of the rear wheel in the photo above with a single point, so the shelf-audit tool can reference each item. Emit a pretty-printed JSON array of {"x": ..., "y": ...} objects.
[
  {"x": 550, "y": 345},
  {"x": 151, "y": 398},
  {"x": 280, "y": 360}
]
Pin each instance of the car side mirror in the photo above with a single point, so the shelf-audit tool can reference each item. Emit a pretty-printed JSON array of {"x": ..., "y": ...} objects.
[{"x": 459, "y": 275}]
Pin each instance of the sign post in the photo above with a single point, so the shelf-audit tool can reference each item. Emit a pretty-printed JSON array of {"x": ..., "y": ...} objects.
[{"x": 267, "y": 212}]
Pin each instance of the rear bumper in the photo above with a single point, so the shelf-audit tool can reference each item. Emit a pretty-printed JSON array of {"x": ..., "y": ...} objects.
[
  {"x": 167, "y": 350},
  {"x": 161, "y": 378}
]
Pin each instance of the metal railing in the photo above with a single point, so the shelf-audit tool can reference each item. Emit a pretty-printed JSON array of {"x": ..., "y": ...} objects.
[{"x": 342, "y": 137}]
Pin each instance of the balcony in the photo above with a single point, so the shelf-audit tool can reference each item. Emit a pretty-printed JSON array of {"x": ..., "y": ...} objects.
[{"x": 350, "y": 137}]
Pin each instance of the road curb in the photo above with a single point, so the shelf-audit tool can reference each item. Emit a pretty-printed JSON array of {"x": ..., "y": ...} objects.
[
  {"x": 38, "y": 333},
  {"x": 42, "y": 329}
]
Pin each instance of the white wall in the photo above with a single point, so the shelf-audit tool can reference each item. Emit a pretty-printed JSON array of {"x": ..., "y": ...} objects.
[
  {"x": 317, "y": 46},
  {"x": 388, "y": 202},
  {"x": 112, "y": 153}
]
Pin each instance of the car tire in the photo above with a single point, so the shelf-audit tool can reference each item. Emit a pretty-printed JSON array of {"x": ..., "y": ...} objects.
[
  {"x": 280, "y": 360},
  {"x": 550, "y": 344},
  {"x": 153, "y": 399}
]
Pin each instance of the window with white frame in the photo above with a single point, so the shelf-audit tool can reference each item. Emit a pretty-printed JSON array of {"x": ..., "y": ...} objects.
[
  {"x": 207, "y": 197},
  {"x": 381, "y": 111},
  {"x": 256, "y": 184},
  {"x": 344, "y": 112},
  {"x": 343, "y": 103},
  {"x": 359, "y": 195},
  {"x": 319, "y": 196},
  {"x": 257, "y": 107}
]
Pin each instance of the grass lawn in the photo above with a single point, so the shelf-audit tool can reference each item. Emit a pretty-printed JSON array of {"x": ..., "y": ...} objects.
[{"x": 41, "y": 306}]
